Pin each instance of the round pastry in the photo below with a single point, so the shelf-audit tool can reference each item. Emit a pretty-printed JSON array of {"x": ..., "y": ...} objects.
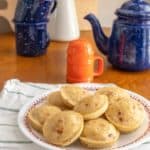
[
  {"x": 92, "y": 107},
  {"x": 72, "y": 94},
  {"x": 99, "y": 133},
  {"x": 64, "y": 128},
  {"x": 113, "y": 93},
  {"x": 55, "y": 99},
  {"x": 37, "y": 116},
  {"x": 126, "y": 114}
]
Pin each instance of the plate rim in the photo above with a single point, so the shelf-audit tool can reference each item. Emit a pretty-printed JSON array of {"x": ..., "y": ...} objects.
[{"x": 27, "y": 106}]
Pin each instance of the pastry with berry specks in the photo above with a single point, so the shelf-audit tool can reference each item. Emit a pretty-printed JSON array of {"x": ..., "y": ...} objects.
[
  {"x": 126, "y": 114},
  {"x": 64, "y": 128},
  {"x": 73, "y": 94},
  {"x": 99, "y": 133},
  {"x": 38, "y": 115},
  {"x": 92, "y": 107}
]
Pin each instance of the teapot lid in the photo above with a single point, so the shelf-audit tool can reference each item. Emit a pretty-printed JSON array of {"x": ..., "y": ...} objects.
[{"x": 135, "y": 8}]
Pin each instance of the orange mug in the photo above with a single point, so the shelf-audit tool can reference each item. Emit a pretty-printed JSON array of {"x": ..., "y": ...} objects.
[{"x": 81, "y": 62}]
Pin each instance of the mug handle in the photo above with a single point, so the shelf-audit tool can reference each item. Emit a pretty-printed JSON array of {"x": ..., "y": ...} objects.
[
  {"x": 54, "y": 6},
  {"x": 100, "y": 65}
]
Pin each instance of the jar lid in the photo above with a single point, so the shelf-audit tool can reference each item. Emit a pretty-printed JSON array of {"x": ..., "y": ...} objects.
[{"x": 135, "y": 8}]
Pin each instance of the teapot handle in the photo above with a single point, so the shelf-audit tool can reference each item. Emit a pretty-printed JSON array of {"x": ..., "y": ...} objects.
[{"x": 54, "y": 6}]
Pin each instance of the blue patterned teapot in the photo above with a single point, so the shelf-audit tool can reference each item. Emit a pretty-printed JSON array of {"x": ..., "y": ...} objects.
[{"x": 128, "y": 47}]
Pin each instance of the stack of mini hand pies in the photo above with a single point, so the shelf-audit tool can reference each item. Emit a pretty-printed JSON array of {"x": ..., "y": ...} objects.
[{"x": 97, "y": 119}]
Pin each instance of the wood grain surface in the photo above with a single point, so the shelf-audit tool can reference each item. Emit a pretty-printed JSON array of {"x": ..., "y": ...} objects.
[{"x": 51, "y": 68}]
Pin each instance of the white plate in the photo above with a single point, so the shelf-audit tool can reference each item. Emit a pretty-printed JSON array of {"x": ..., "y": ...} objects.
[{"x": 125, "y": 142}]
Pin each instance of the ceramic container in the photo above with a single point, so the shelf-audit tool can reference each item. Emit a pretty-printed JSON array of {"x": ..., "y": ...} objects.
[
  {"x": 81, "y": 62},
  {"x": 31, "y": 38},
  {"x": 128, "y": 47},
  {"x": 31, "y": 19},
  {"x": 64, "y": 23},
  {"x": 34, "y": 10}
]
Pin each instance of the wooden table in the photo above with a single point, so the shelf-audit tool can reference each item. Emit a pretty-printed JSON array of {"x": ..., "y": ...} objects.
[{"x": 51, "y": 68}]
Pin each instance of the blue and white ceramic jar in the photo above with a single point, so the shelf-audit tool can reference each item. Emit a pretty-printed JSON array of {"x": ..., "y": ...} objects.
[
  {"x": 31, "y": 19},
  {"x": 34, "y": 11},
  {"x": 32, "y": 39}
]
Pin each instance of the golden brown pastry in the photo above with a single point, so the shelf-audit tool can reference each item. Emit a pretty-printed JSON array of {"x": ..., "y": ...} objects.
[
  {"x": 37, "y": 116},
  {"x": 64, "y": 128},
  {"x": 56, "y": 99},
  {"x": 99, "y": 133},
  {"x": 92, "y": 107},
  {"x": 126, "y": 114},
  {"x": 113, "y": 93},
  {"x": 72, "y": 94}
]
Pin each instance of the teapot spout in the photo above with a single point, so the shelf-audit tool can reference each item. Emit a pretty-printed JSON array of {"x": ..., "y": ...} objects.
[{"x": 100, "y": 38}]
